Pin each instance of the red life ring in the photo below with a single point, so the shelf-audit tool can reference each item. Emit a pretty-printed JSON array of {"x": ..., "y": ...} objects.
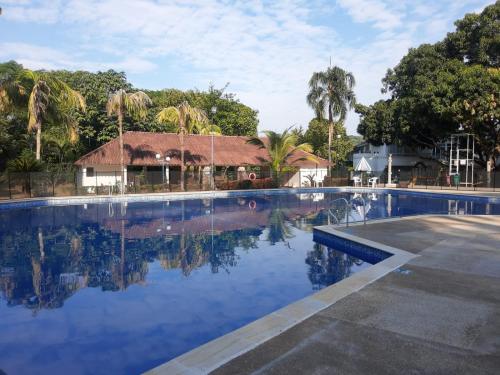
[
  {"x": 252, "y": 176},
  {"x": 252, "y": 205}
]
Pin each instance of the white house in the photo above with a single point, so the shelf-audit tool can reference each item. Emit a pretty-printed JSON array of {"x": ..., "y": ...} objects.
[
  {"x": 402, "y": 157},
  {"x": 157, "y": 157}
]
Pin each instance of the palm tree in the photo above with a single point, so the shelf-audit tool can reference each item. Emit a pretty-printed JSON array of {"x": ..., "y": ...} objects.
[
  {"x": 331, "y": 93},
  {"x": 189, "y": 120},
  {"x": 134, "y": 104},
  {"x": 60, "y": 141},
  {"x": 46, "y": 97},
  {"x": 280, "y": 148}
]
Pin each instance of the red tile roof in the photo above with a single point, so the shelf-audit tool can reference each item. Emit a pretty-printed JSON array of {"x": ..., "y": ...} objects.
[{"x": 140, "y": 148}]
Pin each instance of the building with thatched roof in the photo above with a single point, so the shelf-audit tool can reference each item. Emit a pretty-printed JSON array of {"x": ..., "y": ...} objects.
[{"x": 157, "y": 157}]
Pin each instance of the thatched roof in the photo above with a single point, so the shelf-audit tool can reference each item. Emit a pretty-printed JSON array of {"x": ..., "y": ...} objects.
[{"x": 140, "y": 148}]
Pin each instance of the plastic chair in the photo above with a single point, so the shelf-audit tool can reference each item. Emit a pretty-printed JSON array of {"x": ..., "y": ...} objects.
[
  {"x": 357, "y": 181},
  {"x": 373, "y": 181},
  {"x": 317, "y": 181}
]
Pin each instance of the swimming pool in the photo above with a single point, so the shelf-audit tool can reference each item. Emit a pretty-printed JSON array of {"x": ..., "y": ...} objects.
[{"x": 122, "y": 288}]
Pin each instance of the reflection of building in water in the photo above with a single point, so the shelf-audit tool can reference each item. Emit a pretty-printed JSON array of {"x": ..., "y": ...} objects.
[
  {"x": 73, "y": 281},
  {"x": 79, "y": 247}
]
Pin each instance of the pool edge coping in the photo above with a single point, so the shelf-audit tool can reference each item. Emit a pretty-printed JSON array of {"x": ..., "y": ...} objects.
[
  {"x": 215, "y": 353},
  {"x": 130, "y": 198}
]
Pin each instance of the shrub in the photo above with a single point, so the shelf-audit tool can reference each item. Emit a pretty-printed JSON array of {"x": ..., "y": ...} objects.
[
  {"x": 245, "y": 184},
  {"x": 26, "y": 162}
]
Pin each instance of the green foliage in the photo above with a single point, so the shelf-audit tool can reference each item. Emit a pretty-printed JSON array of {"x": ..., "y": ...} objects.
[
  {"x": 94, "y": 125},
  {"x": 317, "y": 136},
  {"x": 281, "y": 147},
  {"x": 331, "y": 95},
  {"x": 58, "y": 148},
  {"x": 231, "y": 116},
  {"x": 436, "y": 89},
  {"x": 477, "y": 38},
  {"x": 44, "y": 98},
  {"x": 377, "y": 122},
  {"x": 355, "y": 139},
  {"x": 26, "y": 162}
]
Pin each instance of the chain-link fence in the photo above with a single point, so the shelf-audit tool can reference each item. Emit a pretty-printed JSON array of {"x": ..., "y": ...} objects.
[
  {"x": 430, "y": 178},
  {"x": 47, "y": 184}
]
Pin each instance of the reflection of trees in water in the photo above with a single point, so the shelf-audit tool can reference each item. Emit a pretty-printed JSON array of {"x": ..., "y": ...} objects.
[
  {"x": 44, "y": 267},
  {"x": 328, "y": 266},
  {"x": 279, "y": 228},
  {"x": 42, "y": 270}
]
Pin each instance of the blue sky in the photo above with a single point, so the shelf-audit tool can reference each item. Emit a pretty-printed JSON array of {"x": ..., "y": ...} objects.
[{"x": 266, "y": 50}]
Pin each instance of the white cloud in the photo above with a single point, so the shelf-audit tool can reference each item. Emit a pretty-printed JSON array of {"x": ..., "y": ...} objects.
[
  {"x": 374, "y": 11},
  {"x": 36, "y": 57},
  {"x": 26, "y": 11},
  {"x": 267, "y": 50}
]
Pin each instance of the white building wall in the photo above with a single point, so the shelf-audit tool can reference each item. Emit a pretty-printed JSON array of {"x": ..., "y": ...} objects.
[
  {"x": 300, "y": 179},
  {"x": 104, "y": 175},
  {"x": 378, "y": 155}
]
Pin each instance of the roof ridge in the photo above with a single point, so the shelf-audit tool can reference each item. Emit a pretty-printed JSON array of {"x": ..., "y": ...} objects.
[
  {"x": 191, "y": 134},
  {"x": 139, "y": 139},
  {"x": 97, "y": 149}
]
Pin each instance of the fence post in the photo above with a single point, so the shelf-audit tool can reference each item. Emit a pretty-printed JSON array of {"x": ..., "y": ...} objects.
[
  {"x": 75, "y": 180},
  {"x": 53, "y": 186},
  {"x": 10, "y": 191},
  {"x": 96, "y": 181}
]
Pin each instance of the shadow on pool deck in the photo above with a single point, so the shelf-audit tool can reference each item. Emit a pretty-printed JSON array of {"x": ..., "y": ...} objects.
[{"x": 439, "y": 313}]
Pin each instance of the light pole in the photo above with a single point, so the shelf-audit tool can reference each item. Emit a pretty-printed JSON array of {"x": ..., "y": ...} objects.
[
  {"x": 167, "y": 171},
  {"x": 164, "y": 172},
  {"x": 159, "y": 159},
  {"x": 212, "y": 183}
]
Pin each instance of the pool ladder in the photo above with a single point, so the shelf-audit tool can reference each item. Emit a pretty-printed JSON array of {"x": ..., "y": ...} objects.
[{"x": 348, "y": 208}]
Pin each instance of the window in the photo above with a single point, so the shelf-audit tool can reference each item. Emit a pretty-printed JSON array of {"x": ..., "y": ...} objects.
[{"x": 90, "y": 171}]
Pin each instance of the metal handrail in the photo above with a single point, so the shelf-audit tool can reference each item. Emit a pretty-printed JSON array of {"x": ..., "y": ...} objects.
[
  {"x": 348, "y": 204},
  {"x": 348, "y": 207},
  {"x": 364, "y": 207}
]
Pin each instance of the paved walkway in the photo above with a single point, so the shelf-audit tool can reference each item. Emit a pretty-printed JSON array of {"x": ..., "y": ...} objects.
[{"x": 438, "y": 314}]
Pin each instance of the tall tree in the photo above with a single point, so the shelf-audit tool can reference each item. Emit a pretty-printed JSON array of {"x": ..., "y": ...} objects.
[
  {"x": 281, "y": 147},
  {"x": 331, "y": 95},
  {"x": 442, "y": 89},
  {"x": 134, "y": 104},
  {"x": 95, "y": 126},
  {"x": 47, "y": 98},
  {"x": 317, "y": 134},
  {"x": 188, "y": 120},
  {"x": 476, "y": 39}
]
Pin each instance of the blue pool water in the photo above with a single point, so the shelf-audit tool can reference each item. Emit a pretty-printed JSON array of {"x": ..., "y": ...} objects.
[{"x": 114, "y": 288}]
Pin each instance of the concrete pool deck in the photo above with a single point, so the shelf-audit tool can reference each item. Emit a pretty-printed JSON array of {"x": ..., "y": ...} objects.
[{"x": 439, "y": 313}]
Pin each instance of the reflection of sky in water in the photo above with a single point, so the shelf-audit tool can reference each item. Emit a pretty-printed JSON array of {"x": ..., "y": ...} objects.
[{"x": 120, "y": 289}]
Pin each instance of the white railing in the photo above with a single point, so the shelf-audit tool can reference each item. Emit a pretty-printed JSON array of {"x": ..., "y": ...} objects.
[{"x": 348, "y": 204}]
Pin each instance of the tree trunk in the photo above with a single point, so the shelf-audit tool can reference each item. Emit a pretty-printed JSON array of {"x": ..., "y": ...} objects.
[
  {"x": 41, "y": 246},
  {"x": 38, "y": 140},
  {"x": 330, "y": 133},
  {"x": 120, "y": 131},
  {"x": 122, "y": 255},
  {"x": 182, "y": 158}
]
